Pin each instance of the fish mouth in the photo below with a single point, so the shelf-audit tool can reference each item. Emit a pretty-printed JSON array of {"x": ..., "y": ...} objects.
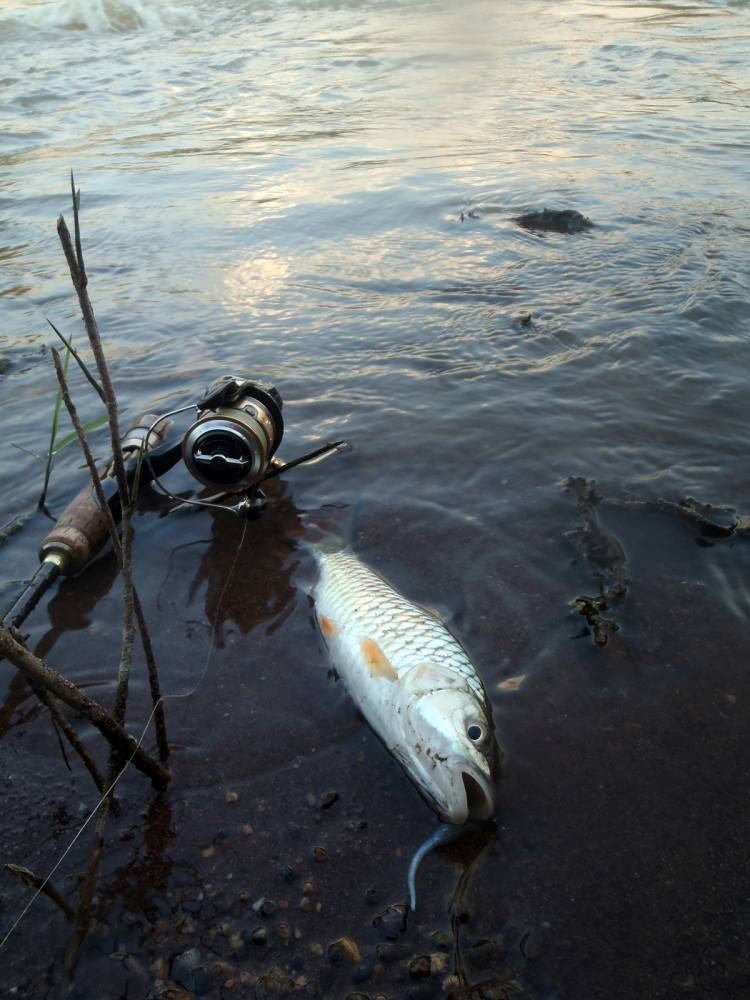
[
  {"x": 480, "y": 797},
  {"x": 465, "y": 794}
]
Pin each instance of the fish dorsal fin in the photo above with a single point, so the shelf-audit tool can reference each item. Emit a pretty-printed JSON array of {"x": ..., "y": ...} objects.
[{"x": 432, "y": 612}]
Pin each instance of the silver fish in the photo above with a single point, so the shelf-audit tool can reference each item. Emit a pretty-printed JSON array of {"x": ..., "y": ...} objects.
[{"x": 415, "y": 685}]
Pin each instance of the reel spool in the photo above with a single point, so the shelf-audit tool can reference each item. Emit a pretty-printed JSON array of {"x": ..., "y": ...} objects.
[{"x": 239, "y": 427}]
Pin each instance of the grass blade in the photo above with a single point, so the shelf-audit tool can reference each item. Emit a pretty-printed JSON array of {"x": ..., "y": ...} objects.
[
  {"x": 42, "y": 501},
  {"x": 81, "y": 363},
  {"x": 67, "y": 439}
]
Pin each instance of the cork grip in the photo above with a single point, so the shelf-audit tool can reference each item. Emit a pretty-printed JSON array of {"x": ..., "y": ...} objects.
[
  {"x": 81, "y": 529},
  {"x": 80, "y": 532}
]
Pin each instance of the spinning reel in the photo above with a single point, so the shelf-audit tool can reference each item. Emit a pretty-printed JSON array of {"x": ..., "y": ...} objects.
[{"x": 230, "y": 447}]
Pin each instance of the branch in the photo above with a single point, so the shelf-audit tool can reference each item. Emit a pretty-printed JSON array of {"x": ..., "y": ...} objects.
[{"x": 98, "y": 716}]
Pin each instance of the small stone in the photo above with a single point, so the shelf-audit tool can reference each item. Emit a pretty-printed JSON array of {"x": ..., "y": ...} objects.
[
  {"x": 287, "y": 873},
  {"x": 328, "y": 799},
  {"x": 316, "y": 948},
  {"x": 320, "y": 853},
  {"x": 438, "y": 963},
  {"x": 391, "y": 922},
  {"x": 343, "y": 948},
  {"x": 305, "y": 904},
  {"x": 442, "y": 940},
  {"x": 203, "y": 981},
  {"x": 160, "y": 968},
  {"x": 237, "y": 946},
  {"x": 420, "y": 967},
  {"x": 208, "y": 852},
  {"x": 259, "y": 935},
  {"x": 308, "y": 888},
  {"x": 264, "y": 906},
  {"x": 247, "y": 829},
  {"x": 231, "y": 796},
  {"x": 132, "y": 964},
  {"x": 392, "y": 952},
  {"x": 284, "y": 931},
  {"x": 361, "y": 973}
]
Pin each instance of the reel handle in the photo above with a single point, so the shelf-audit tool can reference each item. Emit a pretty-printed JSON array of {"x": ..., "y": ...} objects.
[{"x": 81, "y": 530}]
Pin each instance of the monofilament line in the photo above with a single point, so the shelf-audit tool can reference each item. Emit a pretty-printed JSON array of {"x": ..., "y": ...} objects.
[{"x": 139, "y": 741}]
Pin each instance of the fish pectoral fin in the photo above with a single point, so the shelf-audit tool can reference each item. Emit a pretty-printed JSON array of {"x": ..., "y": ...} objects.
[
  {"x": 328, "y": 627},
  {"x": 376, "y": 662}
]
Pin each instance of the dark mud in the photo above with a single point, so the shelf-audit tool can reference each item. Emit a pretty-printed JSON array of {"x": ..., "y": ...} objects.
[{"x": 275, "y": 863}]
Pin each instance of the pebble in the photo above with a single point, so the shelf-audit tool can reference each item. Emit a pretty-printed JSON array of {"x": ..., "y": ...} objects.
[
  {"x": 308, "y": 888},
  {"x": 320, "y": 853},
  {"x": 442, "y": 940},
  {"x": 259, "y": 935},
  {"x": 247, "y": 829},
  {"x": 264, "y": 906},
  {"x": 237, "y": 945},
  {"x": 438, "y": 963},
  {"x": 232, "y": 796},
  {"x": 362, "y": 972},
  {"x": 203, "y": 981},
  {"x": 287, "y": 873},
  {"x": 305, "y": 904},
  {"x": 343, "y": 947},
  {"x": 420, "y": 967},
  {"x": 391, "y": 922},
  {"x": 392, "y": 952},
  {"x": 328, "y": 799}
]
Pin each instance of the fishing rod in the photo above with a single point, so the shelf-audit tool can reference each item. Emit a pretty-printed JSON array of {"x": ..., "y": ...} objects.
[{"x": 230, "y": 447}]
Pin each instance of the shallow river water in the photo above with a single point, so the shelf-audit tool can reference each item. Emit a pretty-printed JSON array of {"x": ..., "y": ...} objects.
[{"x": 324, "y": 194}]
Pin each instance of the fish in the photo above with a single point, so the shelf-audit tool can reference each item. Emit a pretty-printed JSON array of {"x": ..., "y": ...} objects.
[{"x": 414, "y": 683}]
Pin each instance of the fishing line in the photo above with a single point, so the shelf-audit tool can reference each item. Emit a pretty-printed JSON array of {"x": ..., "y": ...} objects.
[{"x": 139, "y": 741}]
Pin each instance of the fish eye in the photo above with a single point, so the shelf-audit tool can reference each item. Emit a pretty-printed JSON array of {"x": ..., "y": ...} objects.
[{"x": 475, "y": 732}]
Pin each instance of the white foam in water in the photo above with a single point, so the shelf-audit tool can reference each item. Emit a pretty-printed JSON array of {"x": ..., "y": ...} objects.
[{"x": 101, "y": 15}]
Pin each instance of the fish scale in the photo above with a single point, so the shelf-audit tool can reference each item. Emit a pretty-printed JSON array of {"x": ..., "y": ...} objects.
[{"x": 405, "y": 632}]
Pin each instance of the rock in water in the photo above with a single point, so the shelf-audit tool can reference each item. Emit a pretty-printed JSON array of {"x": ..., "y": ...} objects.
[{"x": 565, "y": 220}]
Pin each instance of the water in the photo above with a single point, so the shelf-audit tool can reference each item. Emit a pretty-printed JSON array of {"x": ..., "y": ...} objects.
[{"x": 324, "y": 194}]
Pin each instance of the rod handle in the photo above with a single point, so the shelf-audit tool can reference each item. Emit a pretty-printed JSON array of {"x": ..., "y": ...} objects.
[{"x": 81, "y": 530}]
